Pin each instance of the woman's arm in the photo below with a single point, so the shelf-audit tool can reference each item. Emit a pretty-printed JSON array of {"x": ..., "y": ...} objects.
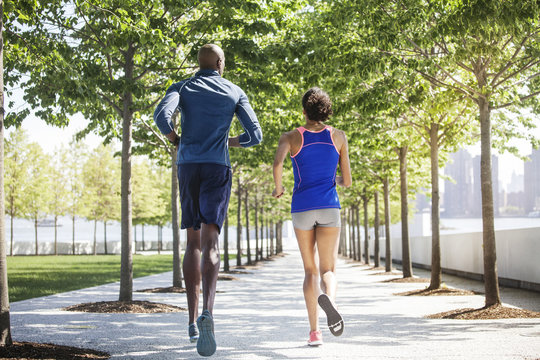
[
  {"x": 345, "y": 179},
  {"x": 283, "y": 148}
]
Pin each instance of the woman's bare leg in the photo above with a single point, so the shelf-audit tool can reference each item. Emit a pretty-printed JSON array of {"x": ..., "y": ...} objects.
[
  {"x": 327, "y": 240},
  {"x": 306, "y": 243}
]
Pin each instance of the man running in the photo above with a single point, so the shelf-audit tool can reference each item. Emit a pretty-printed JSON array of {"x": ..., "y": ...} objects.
[{"x": 207, "y": 103}]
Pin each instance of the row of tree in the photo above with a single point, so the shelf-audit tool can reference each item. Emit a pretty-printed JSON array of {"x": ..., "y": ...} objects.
[
  {"x": 84, "y": 183},
  {"x": 80, "y": 183},
  {"x": 414, "y": 80},
  {"x": 411, "y": 81}
]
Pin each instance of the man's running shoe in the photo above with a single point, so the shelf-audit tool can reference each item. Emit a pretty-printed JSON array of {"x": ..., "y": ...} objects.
[
  {"x": 334, "y": 319},
  {"x": 193, "y": 333},
  {"x": 315, "y": 338},
  {"x": 206, "y": 344}
]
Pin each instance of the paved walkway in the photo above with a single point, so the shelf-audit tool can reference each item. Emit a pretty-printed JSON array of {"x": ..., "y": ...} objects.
[{"x": 262, "y": 316}]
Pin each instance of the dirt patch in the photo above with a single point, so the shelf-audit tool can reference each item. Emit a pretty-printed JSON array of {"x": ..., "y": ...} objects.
[
  {"x": 133, "y": 307},
  {"x": 170, "y": 289},
  {"x": 246, "y": 267},
  {"x": 388, "y": 273},
  {"x": 378, "y": 268},
  {"x": 485, "y": 313},
  {"x": 227, "y": 278},
  {"x": 240, "y": 272},
  {"x": 407, "y": 280},
  {"x": 369, "y": 267},
  {"x": 438, "y": 292},
  {"x": 27, "y": 350},
  {"x": 159, "y": 290}
]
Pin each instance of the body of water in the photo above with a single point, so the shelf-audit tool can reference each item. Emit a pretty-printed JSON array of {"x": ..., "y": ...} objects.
[
  {"x": 23, "y": 230},
  {"x": 456, "y": 226},
  {"x": 84, "y": 230}
]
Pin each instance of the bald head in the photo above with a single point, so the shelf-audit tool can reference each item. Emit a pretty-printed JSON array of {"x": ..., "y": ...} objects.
[{"x": 212, "y": 57}]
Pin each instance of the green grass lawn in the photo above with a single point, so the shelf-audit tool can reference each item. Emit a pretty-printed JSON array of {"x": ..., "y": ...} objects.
[{"x": 34, "y": 276}]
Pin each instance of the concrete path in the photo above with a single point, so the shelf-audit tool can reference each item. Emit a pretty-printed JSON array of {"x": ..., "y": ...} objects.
[{"x": 262, "y": 316}]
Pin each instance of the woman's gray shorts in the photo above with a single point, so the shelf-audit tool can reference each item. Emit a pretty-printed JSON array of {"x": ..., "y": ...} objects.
[{"x": 308, "y": 220}]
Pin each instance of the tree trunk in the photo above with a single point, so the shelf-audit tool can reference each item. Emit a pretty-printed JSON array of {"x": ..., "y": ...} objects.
[
  {"x": 126, "y": 269},
  {"x": 55, "y": 234},
  {"x": 376, "y": 254},
  {"x": 366, "y": 228},
  {"x": 5, "y": 326},
  {"x": 352, "y": 251},
  {"x": 226, "y": 267},
  {"x": 36, "y": 234},
  {"x": 11, "y": 239},
  {"x": 247, "y": 227},
  {"x": 353, "y": 236},
  {"x": 256, "y": 228},
  {"x": 261, "y": 229},
  {"x": 73, "y": 234},
  {"x": 238, "y": 222},
  {"x": 267, "y": 239},
  {"x": 142, "y": 236},
  {"x": 340, "y": 246},
  {"x": 160, "y": 238},
  {"x": 177, "y": 249},
  {"x": 491, "y": 280},
  {"x": 95, "y": 237},
  {"x": 272, "y": 249},
  {"x": 105, "y": 237},
  {"x": 135, "y": 237},
  {"x": 279, "y": 234},
  {"x": 436, "y": 271},
  {"x": 342, "y": 235},
  {"x": 357, "y": 224},
  {"x": 406, "y": 258},
  {"x": 387, "y": 220}
]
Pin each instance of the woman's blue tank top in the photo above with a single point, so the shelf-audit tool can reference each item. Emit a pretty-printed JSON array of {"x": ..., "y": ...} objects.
[{"x": 314, "y": 167}]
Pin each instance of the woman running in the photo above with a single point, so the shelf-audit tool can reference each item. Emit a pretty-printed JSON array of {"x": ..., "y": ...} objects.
[{"x": 316, "y": 150}]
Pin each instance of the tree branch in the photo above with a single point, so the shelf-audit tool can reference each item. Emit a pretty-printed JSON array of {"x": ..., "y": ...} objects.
[
  {"x": 438, "y": 82},
  {"x": 509, "y": 63},
  {"x": 446, "y": 73},
  {"x": 109, "y": 67},
  {"x": 522, "y": 81},
  {"x": 160, "y": 137},
  {"x": 524, "y": 68},
  {"x": 139, "y": 77},
  {"x": 111, "y": 103},
  {"x": 97, "y": 38},
  {"x": 151, "y": 105},
  {"x": 513, "y": 102}
]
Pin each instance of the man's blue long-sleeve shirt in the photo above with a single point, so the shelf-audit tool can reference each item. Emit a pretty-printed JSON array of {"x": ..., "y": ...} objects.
[{"x": 207, "y": 103}]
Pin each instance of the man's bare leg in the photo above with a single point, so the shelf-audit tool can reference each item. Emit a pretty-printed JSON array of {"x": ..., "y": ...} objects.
[
  {"x": 206, "y": 344},
  {"x": 209, "y": 264},
  {"x": 191, "y": 267}
]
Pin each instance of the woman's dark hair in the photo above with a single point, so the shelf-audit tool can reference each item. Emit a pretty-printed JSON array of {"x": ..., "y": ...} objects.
[{"x": 317, "y": 104}]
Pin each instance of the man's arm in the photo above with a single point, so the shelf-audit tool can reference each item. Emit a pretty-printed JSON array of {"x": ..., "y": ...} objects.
[
  {"x": 248, "y": 120},
  {"x": 164, "y": 112}
]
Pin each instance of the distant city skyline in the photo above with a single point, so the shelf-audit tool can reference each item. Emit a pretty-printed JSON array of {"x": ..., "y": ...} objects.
[{"x": 462, "y": 196}]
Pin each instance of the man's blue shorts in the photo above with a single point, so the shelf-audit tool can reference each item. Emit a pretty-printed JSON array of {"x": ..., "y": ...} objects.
[{"x": 205, "y": 190}]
